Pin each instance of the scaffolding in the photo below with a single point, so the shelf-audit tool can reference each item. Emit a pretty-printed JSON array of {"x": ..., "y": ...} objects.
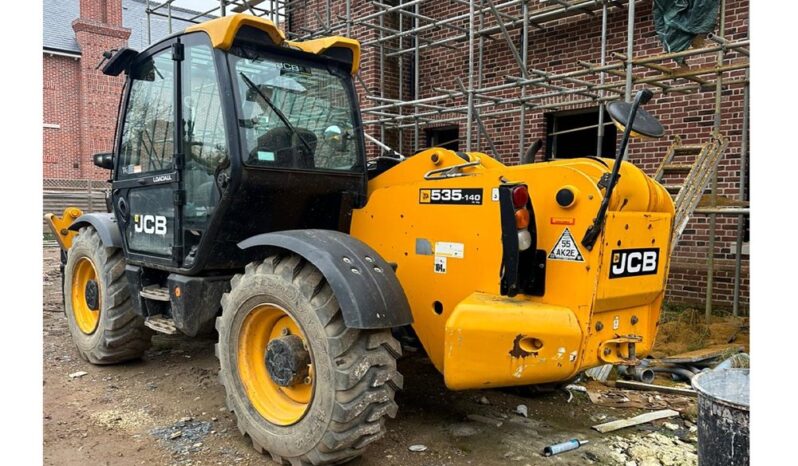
[{"x": 404, "y": 34}]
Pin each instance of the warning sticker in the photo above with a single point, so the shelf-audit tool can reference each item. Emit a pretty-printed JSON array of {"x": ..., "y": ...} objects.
[
  {"x": 455, "y": 250},
  {"x": 565, "y": 249},
  {"x": 440, "y": 264}
]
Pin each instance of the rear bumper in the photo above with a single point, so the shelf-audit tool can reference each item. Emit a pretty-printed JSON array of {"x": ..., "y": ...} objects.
[{"x": 495, "y": 341}]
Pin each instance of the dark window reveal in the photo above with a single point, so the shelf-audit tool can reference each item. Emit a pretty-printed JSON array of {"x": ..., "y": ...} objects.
[{"x": 574, "y": 133}]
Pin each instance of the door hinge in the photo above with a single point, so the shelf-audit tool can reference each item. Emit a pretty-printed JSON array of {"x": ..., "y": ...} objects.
[
  {"x": 177, "y": 51},
  {"x": 180, "y": 197}
]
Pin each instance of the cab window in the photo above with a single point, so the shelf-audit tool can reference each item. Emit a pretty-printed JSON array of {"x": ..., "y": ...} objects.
[
  {"x": 205, "y": 141},
  {"x": 293, "y": 114},
  {"x": 147, "y": 140}
]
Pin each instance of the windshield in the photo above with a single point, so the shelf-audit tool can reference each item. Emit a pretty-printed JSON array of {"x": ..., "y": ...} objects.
[{"x": 293, "y": 114}]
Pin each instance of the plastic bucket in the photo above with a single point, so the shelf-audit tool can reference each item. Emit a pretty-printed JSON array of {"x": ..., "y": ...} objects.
[{"x": 723, "y": 417}]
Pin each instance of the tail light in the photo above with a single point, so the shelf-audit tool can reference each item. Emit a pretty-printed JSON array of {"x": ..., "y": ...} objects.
[
  {"x": 520, "y": 196},
  {"x": 523, "y": 265}
]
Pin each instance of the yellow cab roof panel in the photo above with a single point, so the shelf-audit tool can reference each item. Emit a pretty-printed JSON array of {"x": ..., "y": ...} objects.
[{"x": 222, "y": 31}]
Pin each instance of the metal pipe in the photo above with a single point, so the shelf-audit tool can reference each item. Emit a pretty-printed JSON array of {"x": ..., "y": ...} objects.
[
  {"x": 149, "y": 24},
  {"x": 516, "y": 101},
  {"x": 382, "y": 75},
  {"x": 570, "y": 74},
  {"x": 714, "y": 183},
  {"x": 416, "y": 78},
  {"x": 738, "y": 250},
  {"x": 525, "y": 57},
  {"x": 600, "y": 131},
  {"x": 470, "y": 90},
  {"x": 401, "y": 73},
  {"x": 630, "y": 32}
]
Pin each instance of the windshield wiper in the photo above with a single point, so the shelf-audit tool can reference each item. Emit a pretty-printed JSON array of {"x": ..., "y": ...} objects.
[{"x": 277, "y": 111}]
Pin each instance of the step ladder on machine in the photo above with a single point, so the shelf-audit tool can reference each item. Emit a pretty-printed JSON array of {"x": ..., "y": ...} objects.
[{"x": 694, "y": 163}]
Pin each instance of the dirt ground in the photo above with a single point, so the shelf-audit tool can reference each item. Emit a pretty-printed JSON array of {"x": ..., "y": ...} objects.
[{"x": 129, "y": 414}]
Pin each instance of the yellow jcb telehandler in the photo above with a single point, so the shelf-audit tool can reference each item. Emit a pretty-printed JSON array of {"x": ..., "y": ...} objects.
[{"x": 241, "y": 197}]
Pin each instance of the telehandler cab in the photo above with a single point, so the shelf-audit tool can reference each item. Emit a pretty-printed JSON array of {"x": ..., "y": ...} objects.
[{"x": 241, "y": 197}]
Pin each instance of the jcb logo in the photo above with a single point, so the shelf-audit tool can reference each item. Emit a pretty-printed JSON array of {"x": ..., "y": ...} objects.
[
  {"x": 634, "y": 262},
  {"x": 150, "y": 224}
]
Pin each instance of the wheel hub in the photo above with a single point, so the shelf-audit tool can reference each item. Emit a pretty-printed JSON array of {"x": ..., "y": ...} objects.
[
  {"x": 287, "y": 360},
  {"x": 92, "y": 293}
]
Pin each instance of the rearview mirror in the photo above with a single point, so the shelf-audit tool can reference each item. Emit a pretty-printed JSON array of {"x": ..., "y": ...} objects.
[
  {"x": 333, "y": 134},
  {"x": 645, "y": 124},
  {"x": 104, "y": 160},
  {"x": 336, "y": 137}
]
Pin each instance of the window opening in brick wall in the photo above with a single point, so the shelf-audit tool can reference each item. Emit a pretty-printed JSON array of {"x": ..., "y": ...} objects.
[
  {"x": 447, "y": 137},
  {"x": 574, "y": 133}
]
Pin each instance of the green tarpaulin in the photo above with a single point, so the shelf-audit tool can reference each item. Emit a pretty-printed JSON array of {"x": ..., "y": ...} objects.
[{"x": 678, "y": 22}]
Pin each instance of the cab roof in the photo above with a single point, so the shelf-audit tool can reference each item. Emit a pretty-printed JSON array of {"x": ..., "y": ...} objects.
[{"x": 222, "y": 31}]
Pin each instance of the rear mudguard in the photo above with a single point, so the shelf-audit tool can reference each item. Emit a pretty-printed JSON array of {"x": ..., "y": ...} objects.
[
  {"x": 365, "y": 285},
  {"x": 106, "y": 227}
]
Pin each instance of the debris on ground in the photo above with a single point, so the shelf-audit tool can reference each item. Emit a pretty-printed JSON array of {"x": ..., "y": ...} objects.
[
  {"x": 633, "y": 421},
  {"x": 522, "y": 410},
  {"x": 183, "y": 436},
  {"x": 600, "y": 373},
  {"x": 573, "y": 387},
  {"x": 78, "y": 374},
  {"x": 485, "y": 420},
  {"x": 558, "y": 448},
  {"x": 463, "y": 430},
  {"x": 653, "y": 449},
  {"x": 417, "y": 448},
  {"x": 630, "y": 384},
  {"x": 484, "y": 401},
  {"x": 604, "y": 395}
]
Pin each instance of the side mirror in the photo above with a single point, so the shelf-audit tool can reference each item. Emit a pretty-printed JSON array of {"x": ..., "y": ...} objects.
[
  {"x": 645, "y": 124},
  {"x": 104, "y": 160},
  {"x": 333, "y": 133},
  {"x": 336, "y": 137}
]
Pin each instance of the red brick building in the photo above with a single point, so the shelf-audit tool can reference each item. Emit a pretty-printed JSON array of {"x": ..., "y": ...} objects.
[{"x": 80, "y": 103}]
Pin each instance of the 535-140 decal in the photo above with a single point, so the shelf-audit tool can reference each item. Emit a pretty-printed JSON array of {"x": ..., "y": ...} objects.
[{"x": 468, "y": 196}]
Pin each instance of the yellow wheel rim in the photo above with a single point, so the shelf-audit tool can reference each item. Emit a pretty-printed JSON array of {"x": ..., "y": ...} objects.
[
  {"x": 279, "y": 405},
  {"x": 86, "y": 318}
]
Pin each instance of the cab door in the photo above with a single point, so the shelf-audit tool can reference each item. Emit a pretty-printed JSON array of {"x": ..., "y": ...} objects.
[{"x": 146, "y": 186}]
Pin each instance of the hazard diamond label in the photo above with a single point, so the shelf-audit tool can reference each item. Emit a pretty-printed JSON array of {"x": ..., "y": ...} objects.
[{"x": 565, "y": 249}]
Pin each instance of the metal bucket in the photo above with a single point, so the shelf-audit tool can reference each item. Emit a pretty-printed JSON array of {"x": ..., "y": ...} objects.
[{"x": 723, "y": 413}]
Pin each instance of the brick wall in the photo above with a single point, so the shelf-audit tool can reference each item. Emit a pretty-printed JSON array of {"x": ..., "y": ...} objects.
[
  {"x": 557, "y": 48},
  {"x": 61, "y": 88},
  {"x": 78, "y": 98}
]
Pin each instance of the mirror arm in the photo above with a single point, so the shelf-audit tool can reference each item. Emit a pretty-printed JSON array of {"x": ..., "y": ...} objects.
[{"x": 592, "y": 233}]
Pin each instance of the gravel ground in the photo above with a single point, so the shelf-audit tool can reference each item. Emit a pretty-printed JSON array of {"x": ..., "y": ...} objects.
[{"x": 169, "y": 409}]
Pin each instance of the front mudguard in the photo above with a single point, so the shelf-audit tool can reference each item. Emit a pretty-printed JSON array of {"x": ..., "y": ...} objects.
[{"x": 365, "y": 285}]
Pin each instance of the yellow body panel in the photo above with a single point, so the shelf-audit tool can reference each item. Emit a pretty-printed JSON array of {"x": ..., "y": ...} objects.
[
  {"x": 406, "y": 230},
  {"x": 222, "y": 32},
  {"x": 59, "y": 226},
  {"x": 319, "y": 46}
]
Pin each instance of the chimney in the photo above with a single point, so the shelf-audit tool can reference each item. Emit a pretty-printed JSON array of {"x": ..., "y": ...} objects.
[{"x": 98, "y": 29}]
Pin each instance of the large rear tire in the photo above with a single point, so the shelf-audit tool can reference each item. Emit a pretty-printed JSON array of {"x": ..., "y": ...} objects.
[
  {"x": 333, "y": 402},
  {"x": 103, "y": 323}
]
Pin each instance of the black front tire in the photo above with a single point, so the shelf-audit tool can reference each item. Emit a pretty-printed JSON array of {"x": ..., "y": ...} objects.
[
  {"x": 120, "y": 334},
  {"x": 355, "y": 370}
]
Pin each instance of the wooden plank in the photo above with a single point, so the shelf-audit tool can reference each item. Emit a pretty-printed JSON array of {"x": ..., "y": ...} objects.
[
  {"x": 632, "y": 385},
  {"x": 633, "y": 421},
  {"x": 703, "y": 354}
]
